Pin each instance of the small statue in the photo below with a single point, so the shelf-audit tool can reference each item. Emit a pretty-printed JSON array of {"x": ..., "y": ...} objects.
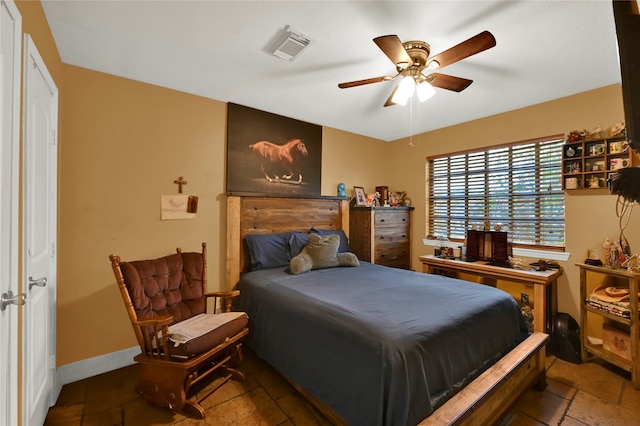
[
  {"x": 607, "y": 250},
  {"x": 527, "y": 313},
  {"x": 341, "y": 190},
  {"x": 376, "y": 199},
  {"x": 617, "y": 254},
  {"x": 371, "y": 199},
  {"x": 632, "y": 263}
]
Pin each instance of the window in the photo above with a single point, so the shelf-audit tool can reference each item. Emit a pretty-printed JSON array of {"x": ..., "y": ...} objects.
[{"x": 516, "y": 186}]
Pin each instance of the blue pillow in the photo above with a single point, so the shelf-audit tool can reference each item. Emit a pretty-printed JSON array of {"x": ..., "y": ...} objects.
[
  {"x": 344, "y": 241},
  {"x": 297, "y": 241},
  {"x": 268, "y": 250}
]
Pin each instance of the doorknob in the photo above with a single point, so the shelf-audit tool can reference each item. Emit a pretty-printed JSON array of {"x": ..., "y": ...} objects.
[
  {"x": 9, "y": 299},
  {"x": 40, "y": 282}
]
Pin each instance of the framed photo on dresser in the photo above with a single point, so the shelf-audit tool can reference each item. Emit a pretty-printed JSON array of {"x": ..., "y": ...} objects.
[{"x": 360, "y": 196}]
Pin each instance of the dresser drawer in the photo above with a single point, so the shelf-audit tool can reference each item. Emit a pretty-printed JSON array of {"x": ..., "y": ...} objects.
[
  {"x": 391, "y": 218},
  {"x": 392, "y": 237},
  {"x": 397, "y": 257}
]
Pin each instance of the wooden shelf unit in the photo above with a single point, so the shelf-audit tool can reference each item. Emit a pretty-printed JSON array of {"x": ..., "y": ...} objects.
[
  {"x": 588, "y": 349},
  {"x": 590, "y": 161}
]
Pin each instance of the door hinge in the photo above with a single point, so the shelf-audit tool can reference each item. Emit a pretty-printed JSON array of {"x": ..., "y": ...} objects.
[
  {"x": 53, "y": 249},
  {"x": 54, "y": 137},
  {"x": 52, "y": 361}
]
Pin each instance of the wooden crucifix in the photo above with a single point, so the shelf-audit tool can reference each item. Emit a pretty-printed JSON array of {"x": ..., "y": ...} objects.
[{"x": 180, "y": 181}]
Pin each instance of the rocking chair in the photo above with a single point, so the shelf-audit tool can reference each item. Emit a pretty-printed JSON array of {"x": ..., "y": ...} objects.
[{"x": 166, "y": 299}]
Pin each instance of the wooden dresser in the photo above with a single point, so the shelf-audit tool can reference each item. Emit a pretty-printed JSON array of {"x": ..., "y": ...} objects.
[{"x": 381, "y": 235}]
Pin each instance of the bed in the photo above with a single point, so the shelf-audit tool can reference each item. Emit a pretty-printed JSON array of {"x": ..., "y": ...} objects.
[{"x": 372, "y": 345}]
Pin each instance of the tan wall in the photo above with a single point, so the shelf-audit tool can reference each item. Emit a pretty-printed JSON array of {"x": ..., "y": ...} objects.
[
  {"x": 125, "y": 143},
  {"x": 354, "y": 160},
  {"x": 590, "y": 214}
]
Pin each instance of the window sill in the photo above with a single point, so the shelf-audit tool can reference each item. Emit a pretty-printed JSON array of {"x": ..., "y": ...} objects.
[{"x": 538, "y": 254}]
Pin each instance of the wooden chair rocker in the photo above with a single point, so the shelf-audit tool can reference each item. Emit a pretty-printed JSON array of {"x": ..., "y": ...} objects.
[{"x": 166, "y": 299}]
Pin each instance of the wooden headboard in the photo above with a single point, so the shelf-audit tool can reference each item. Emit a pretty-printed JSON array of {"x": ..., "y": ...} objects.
[{"x": 271, "y": 215}]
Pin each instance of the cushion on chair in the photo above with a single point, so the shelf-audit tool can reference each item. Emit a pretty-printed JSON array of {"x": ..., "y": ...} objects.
[
  {"x": 203, "y": 332},
  {"x": 170, "y": 285}
]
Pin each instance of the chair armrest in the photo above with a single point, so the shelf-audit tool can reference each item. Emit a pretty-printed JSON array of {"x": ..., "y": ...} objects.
[
  {"x": 155, "y": 336},
  {"x": 225, "y": 297},
  {"x": 155, "y": 321},
  {"x": 232, "y": 293}
]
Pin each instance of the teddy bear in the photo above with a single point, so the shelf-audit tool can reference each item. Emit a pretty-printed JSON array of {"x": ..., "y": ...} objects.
[{"x": 321, "y": 252}]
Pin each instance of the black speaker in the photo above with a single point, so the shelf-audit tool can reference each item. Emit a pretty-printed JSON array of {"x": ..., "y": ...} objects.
[
  {"x": 628, "y": 34},
  {"x": 566, "y": 338}
]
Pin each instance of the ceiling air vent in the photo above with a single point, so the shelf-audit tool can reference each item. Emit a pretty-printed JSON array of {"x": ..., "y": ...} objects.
[{"x": 292, "y": 45}]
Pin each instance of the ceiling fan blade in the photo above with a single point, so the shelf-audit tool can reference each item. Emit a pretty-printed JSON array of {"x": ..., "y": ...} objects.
[
  {"x": 389, "y": 102},
  {"x": 392, "y": 47},
  {"x": 449, "y": 82},
  {"x": 363, "y": 82},
  {"x": 475, "y": 44}
]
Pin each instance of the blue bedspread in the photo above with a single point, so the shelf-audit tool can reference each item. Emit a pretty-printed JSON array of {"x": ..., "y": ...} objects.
[{"x": 380, "y": 346}]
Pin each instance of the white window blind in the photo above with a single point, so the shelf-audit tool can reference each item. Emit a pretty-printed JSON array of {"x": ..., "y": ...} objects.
[{"x": 517, "y": 187}]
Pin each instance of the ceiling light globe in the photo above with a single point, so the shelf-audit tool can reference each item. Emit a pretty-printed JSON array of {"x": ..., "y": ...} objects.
[
  {"x": 425, "y": 91},
  {"x": 405, "y": 90}
]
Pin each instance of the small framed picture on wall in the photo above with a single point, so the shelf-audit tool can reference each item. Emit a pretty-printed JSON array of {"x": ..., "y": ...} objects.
[{"x": 361, "y": 197}]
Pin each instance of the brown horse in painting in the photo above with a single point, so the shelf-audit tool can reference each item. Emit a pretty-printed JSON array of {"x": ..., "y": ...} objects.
[{"x": 272, "y": 157}]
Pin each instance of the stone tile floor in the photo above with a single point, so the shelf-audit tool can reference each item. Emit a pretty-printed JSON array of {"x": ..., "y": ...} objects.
[{"x": 592, "y": 393}]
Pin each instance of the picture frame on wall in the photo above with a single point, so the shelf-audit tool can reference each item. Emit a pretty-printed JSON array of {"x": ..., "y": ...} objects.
[
  {"x": 272, "y": 155},
  {"x": 360, "y": 196}
]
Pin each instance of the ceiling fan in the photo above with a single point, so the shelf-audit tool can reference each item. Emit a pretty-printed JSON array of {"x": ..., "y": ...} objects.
[{"x": 411, "y": 59}]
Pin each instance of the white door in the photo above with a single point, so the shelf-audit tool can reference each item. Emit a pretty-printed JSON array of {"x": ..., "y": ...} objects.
[
  {"x": 10, "y": 59},
  {"x": 39, "y": 221}
]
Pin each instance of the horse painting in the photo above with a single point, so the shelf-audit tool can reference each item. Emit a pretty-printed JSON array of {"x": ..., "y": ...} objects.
[{"x": 276, "y": 159}]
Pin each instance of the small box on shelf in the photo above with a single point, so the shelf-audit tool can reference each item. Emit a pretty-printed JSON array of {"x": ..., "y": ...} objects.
[
  {"x": 572, "y": 150},
  {"x": 595, "y": 149},
  {"x": 617, "y": 340},
  {"x": 594, "y": 165},
  {"x": 572, "y": 167},
  {"x": 595, "y": 181},
  {"x": 492, "y": 246},
  {"x": 573, "y": 182}
]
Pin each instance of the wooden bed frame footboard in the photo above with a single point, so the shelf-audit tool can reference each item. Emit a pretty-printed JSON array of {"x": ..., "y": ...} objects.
[
  {"x": 487, "y": 398},
  {"x": 481, "y": 402},
  {"x": 484, "y": 400}
]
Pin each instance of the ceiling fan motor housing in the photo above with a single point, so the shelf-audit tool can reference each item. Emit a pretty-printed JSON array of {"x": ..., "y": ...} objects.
[{"x": 418, "y": 51}]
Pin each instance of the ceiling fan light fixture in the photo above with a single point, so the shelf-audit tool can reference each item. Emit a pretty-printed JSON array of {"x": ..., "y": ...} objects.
[
  {"x": 405, "y": 90},
  {"x": 411, "y": 58},
  {"x": 425, "y": 91}
]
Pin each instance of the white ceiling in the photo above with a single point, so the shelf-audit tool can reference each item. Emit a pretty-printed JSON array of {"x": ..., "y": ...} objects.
[{"x": 220, "y": 49}]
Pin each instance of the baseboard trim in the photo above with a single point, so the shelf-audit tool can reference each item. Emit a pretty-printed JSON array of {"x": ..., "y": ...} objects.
[{"x": 90, "y": 367}]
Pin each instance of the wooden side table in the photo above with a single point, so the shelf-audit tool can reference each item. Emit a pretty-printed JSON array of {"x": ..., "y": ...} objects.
[
  {"x": 545, "y": 287},
  {"x": 592, "y": 277}
]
